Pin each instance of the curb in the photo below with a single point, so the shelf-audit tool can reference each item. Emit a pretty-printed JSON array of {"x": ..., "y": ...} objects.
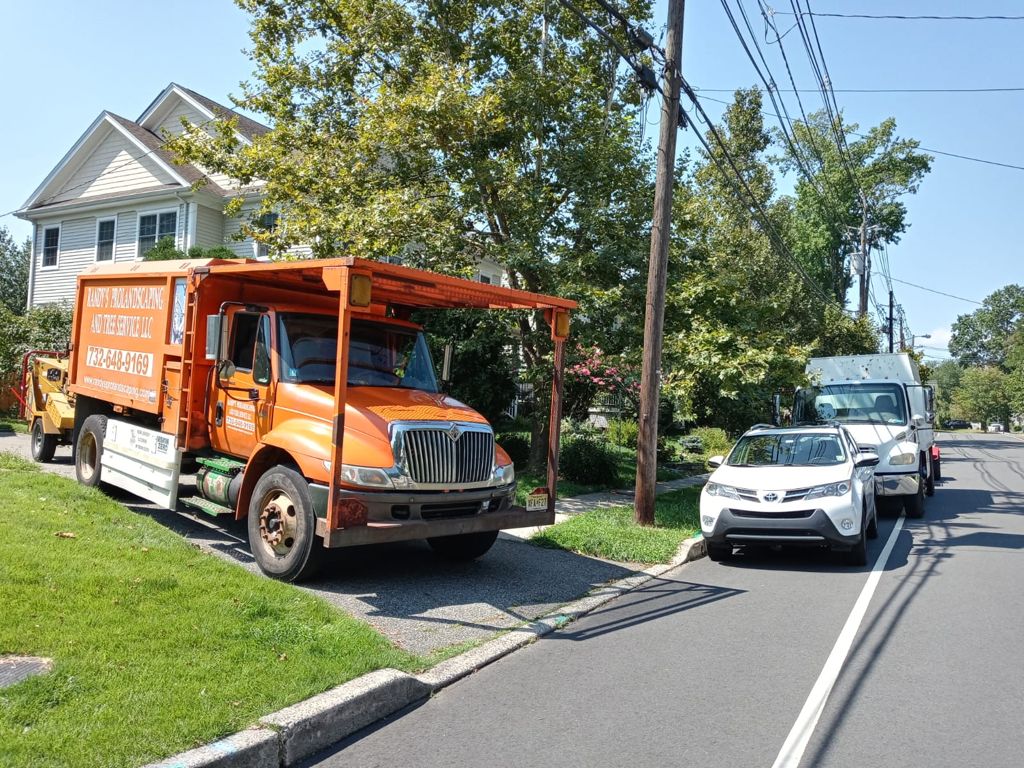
[{"x": 285, "y": 737}]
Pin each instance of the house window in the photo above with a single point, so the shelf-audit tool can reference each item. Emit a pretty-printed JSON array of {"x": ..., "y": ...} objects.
[
  {"x": 154, "y": 227},
  {"x": 105, "y": 239},
  {"x": 51, "y": 244},
  {"x": 268, "y": 223},
  {"x": 485, "y": 279}
]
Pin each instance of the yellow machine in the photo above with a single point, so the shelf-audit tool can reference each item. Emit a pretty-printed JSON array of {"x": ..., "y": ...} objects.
[{"x": 49, "y": 408}]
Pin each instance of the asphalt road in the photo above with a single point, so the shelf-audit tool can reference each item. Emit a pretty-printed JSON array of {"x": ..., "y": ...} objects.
[{"x": 713, "y": 665}]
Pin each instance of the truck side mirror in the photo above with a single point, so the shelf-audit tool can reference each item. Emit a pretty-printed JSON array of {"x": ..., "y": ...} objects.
[
  {"x": 225, "y": 370},
  {"x": 446, "y": 365}
]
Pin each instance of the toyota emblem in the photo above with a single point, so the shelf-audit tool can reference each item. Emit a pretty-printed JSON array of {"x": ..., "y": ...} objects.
[{"x": 771, "y": 496}]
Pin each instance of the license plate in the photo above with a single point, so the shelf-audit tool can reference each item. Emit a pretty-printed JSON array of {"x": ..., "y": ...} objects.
[{"x": 536, "y": 502}]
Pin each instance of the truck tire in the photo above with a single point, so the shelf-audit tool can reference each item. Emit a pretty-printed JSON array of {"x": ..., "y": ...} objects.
[
  {"x": 89, "y": 449},
  {"x": 937, "y": 470},
  {"x": 282, "y": 526},
  {"x": 929, "y": 482},
  {"x": 465, "y": 546},
  {"x": 914, "y": 505},
  {"x": 43, "y": 445}
]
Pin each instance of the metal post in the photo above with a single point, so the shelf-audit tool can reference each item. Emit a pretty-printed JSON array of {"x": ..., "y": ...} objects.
[
  {"x": 657, "y": 272},
  {"x": 555, "y": 423},
  {"x": 890, "y": 321}
]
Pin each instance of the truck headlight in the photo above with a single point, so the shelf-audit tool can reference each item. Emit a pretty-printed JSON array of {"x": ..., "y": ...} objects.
[
  {"x": 503, "y": 475},
  {"x": 727, "y": 491},
  {"x": 902, "y": 459},
  {"x": 369, "y": 477},
  {"x": 832, "y": 489}
]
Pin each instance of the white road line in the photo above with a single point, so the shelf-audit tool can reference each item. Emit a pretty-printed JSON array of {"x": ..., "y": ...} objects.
[{"x": 793, "y": 749}]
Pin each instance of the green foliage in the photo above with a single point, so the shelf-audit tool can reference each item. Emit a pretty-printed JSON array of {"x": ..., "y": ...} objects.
[
  {"x": 987, "y": 335},
  {"x": 165, "y": 250},
  {"x": 947, "y": 378},
  {"x": 712, "y": 440},
  {"x": 587, "y": 460},
  {"x": 983, "y": 395},
  {"x": 623, "y": 432},
  {"x": 45, "y": 327},
  {"x": 14, "y": 268},
  {"x": 517, "y": 446}
]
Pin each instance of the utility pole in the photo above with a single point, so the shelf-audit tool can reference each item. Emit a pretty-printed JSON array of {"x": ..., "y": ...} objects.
[
  {"x": 865, "y": 272},
  {"x": 890, "y": 321},
  {"x": 657, "y": 271},
  {"x": 903, "y": 338}
]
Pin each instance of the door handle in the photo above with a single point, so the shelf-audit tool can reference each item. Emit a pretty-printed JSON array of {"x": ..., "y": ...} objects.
[{"x": 219, "y": 414}]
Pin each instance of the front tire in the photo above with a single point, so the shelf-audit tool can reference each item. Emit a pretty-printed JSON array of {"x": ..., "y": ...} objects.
[
  {"x": 89, "y": 450},
  {"x": 718, "y": 553},
  {"x": 465, "y": 546},
  {"x": 858, "y": 553},
  {"x": 872, "y": 528},
  {"x": 914, "y": 505},
  {"x": 43, "y": 445},
  {"x": 282, "y": 526}
]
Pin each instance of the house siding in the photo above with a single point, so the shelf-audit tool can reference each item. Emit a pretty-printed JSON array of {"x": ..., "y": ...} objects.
[
  {"x": 171, "y": 125},
  {"x": 113, "y": 167},
  {"x": 209, "y": 227},
  {"x": 77, "y": 251},
  {"x": 232, "y": 226}
]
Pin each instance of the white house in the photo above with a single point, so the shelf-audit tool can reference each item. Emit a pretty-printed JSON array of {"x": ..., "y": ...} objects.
[{"x": 117, "y": 191}]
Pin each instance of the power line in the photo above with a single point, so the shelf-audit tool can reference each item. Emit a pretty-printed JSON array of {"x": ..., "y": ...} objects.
[
  {"x": 897, "y": 17},
  {"x": 1010, "y": 89},
  {"x": 922, "y": 148},
  {"x": 932, "y": 290}
]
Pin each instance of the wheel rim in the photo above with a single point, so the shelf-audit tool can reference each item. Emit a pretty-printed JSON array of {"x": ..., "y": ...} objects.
[
  {"x": 278, "y": 523},
  {"x": 37, "y": 438},
  {"x": 87, "y": 455}
]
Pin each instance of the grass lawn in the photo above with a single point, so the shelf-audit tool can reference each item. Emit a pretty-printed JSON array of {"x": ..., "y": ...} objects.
[
  {"x": 157, "y": 646},
  {"x": 612, "y": 534},
  {"x": 10, "y": 424}
]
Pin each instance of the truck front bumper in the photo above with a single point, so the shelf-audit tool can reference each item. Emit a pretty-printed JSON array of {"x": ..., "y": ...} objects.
[
  {"x": 396, "y": 516},
  {"x": 904, "y": 484}
]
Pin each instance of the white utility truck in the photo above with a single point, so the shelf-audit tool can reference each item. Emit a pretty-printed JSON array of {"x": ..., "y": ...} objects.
[{"x": 880, "y": 399}]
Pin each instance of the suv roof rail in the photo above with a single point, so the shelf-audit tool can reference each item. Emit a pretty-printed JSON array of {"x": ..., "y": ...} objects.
[{"x": 764, "y": 426}]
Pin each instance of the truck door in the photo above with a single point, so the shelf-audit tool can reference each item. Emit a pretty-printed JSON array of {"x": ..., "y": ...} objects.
[{"x": 243, "y": 403}]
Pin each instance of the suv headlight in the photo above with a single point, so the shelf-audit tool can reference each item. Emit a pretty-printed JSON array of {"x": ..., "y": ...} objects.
[
  {"x": 832, "y": 489},
  {"x": 369, "y": 477},
  {"x": 503, "y": 475},
  {"x": 902, "y": 459},
  {"x": 727, "y": 491}
]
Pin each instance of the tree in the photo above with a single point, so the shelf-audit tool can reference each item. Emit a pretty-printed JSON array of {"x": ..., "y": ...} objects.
[
  {"x": 14, "y": 265},
  {"x": 987, "y": 335},
  {"x": 165, "y": 250},
  {"x": 982, "y": 396},
  {"x": 46, "y": 327},
  {"x": 444, "y": 133},
  {"x": 881, "y": 165}
]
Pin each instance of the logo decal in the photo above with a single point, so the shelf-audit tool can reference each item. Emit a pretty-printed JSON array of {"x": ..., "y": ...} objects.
[
  {"x": 771, "y": 496},
  {"x": 454, "y": 433}
]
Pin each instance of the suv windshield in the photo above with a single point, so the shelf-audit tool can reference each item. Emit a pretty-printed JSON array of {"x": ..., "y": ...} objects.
[
  {"x": 867, "y": 403},
  {"x": 789, "y": 450},
  {"x": 380, "y": 354}
]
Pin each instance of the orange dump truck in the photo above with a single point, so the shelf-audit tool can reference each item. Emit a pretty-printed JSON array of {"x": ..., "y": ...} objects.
[{"x": 234, "y": 364}]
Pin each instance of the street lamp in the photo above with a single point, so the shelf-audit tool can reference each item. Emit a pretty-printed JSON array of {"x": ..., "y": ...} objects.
[{"x": 921, "y": 336}]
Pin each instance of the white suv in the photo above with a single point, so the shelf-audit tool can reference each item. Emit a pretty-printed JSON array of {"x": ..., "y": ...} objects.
[{"x": 808, "y": 486}]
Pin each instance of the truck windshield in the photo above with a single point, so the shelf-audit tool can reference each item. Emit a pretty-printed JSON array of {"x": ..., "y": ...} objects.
[
  {"x": 857, "y": 403},
  {"x": 799, "y": 450},
  {"x": 380, "y": 354}
]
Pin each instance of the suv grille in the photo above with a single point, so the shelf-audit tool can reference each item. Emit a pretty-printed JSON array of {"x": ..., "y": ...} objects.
[{"x": 431, "y": 455}]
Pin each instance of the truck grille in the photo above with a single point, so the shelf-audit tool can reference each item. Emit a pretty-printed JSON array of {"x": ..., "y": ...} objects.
[{"x": 432, "y": 456}]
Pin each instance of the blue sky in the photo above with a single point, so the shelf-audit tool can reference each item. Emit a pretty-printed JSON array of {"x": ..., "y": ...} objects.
[{"x": 64, "y": 62}]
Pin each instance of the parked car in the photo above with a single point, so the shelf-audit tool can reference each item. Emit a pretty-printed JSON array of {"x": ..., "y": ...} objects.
[
  {"x": 957, "y": 424},
  {"x": 809, "y": 486}
]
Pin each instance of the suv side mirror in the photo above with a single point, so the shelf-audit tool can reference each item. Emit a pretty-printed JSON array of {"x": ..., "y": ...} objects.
[
  {"x": 866, "y": 459},
  {"x": 716, "y": 461}
]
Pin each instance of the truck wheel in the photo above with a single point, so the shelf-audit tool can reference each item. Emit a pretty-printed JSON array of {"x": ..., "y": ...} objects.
[
  {"x": 914, "y": 505},
  {"x": 465, "y": 546},
  {"x": 937, "y": 470},
  {"x": 282, "y": 526},
  {"x": 43, "y": 445},
  {"x": 929, "y": 483},
  {"x": 89, "y": 450}
]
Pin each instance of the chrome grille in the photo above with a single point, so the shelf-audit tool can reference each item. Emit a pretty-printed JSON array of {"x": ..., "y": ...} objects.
[
  {"x": 797, "y": 494},
  {"x": 747, "y": 494},
  {"x": 432, "y": 456}
]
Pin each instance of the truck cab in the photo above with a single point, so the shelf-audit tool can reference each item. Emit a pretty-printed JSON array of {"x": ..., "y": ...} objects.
[{"x": 880, "y": 399}]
